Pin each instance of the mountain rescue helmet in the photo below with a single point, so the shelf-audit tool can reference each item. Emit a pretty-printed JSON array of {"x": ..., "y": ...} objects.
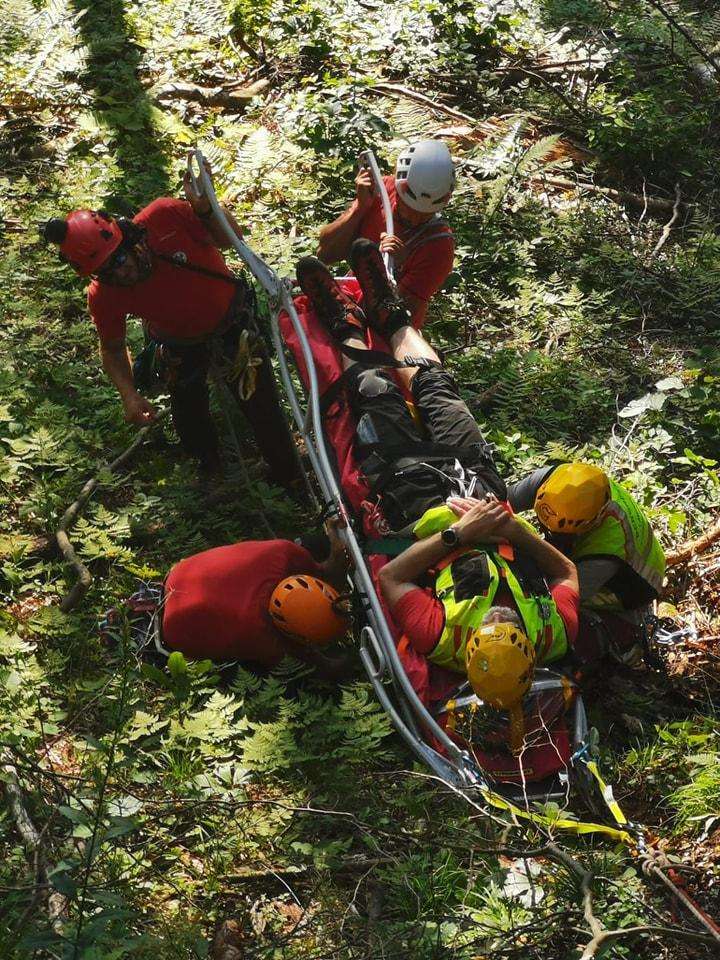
[
  {"x": 571, "y": 498},
  {"x": 500, "y": 663},
  {"x": 425, "y": 176},
  {"x": 305, "y": 607},
  {"x": 87, "y": 238}
]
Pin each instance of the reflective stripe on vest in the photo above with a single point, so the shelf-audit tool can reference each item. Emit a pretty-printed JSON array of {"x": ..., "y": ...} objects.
[
  {"x": 625, "y": 532},
  {"x": 541, "y": 621}
]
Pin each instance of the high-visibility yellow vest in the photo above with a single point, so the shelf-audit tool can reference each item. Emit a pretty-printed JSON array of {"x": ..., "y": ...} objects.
[
  {"x": 467, "y": 588},
  {"x": 625, "y": 534}
]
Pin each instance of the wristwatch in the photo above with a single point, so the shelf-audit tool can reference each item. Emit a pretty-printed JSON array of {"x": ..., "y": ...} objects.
[{"x": 450, "y": 537}]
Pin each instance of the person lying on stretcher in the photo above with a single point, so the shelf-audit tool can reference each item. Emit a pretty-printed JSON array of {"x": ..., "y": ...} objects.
[{"x": 478, "y": 578}]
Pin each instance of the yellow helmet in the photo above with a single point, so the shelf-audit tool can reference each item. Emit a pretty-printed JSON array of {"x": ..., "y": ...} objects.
[
  {"x": 572, "y": 497},
  {"x": 500, "y": 664}
]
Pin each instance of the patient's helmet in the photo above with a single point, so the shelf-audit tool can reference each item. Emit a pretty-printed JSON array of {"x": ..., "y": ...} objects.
[
  {"x": 571, "y": 498},
  {"x": 500, "y": 661},
  {"x": 306, "y": 608}
]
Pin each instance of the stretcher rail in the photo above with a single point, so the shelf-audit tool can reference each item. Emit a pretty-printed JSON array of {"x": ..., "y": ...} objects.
[{"x": 367, "y": 159}]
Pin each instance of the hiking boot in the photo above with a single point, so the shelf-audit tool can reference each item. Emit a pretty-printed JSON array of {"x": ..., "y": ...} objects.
[
  {"x": 384, "y": 310},
  {"x": 341, "y": 316}
]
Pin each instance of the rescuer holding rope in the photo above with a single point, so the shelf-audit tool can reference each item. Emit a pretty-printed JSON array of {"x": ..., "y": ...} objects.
[
  {"x": 422, "y": 246},
  {"x": 165, "y": 267}
]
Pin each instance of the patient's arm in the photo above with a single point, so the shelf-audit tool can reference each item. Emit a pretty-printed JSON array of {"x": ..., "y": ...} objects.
[
  {"x": 400, "y": 575},
  {"x": 480, "y": 524}
]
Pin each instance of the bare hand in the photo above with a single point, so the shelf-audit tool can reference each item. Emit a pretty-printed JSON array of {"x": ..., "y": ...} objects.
[
  {"x": 139, "y": 410},
  {"x": 364, "y": 188},
  {"x": 485, "y": 521},
  {"x": 195, "y": 195},
  {"x": 393, "y": 245},
  {"x": 338, "y": 550}
]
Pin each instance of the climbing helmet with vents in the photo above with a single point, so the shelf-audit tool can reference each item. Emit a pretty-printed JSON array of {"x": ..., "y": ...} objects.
[
  {"x": 572, "y": 497},
  {"x": 306, "y": 608},
  {"x": 87, "y": 238},
  {"x": 425, "y": 176},
  {"x": 500, "y": 662}
]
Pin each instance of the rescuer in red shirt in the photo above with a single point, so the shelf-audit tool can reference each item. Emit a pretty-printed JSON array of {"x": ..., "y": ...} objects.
[
  {"x": 165, "y": 267},
  {"x": 256, "y": 601},
  {"x": 422, "y": 246}
]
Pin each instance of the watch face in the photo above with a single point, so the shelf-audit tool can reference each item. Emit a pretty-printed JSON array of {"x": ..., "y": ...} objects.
[{"x": 449, "y": 537}]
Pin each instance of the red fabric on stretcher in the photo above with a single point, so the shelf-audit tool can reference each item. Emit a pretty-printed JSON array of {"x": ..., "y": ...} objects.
[{"x": 432, "y": 684}]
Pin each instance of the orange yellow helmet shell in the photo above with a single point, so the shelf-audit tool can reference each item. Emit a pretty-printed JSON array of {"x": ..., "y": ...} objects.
[
  {"x": 304, "y": 607},
  {"x": 571, "y": 498},
  {"x": 500, "y": 666},
  {"x": 500, "y": 663}
]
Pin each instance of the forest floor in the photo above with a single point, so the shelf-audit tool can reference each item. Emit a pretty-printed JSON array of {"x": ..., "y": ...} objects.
[{"x": 146, "y": 810}]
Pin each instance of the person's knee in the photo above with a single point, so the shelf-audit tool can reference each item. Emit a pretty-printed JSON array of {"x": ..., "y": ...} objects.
[{"x": 434, "y": 380}]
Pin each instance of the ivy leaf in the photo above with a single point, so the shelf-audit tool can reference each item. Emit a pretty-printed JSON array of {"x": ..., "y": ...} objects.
[{"x": 636, "y": 408}]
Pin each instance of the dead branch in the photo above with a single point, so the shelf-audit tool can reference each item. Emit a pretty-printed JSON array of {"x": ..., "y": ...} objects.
[
  {"x": 348, "y": 865},
  {"x": 83, "y": 575},
  {"x": 398, "y": 91},
  {"x": 669, "y": 225},
  {"x": 32, "y": 839},
  {"x": 695, "y": 44},
  {"x": 655, "y": 206},
  {"x": 230, "y": 99},
  {"x": 691, "y": 549},
  {"x": 561, "y": 95}
]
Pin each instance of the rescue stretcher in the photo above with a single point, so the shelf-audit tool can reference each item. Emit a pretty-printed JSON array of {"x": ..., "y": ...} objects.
[{"x": 308, "y": 364}]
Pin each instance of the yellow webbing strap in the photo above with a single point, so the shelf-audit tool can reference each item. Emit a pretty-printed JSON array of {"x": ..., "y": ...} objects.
[
  {"x": 607, "y": 794},
  {"x": 574, "y": 826}
]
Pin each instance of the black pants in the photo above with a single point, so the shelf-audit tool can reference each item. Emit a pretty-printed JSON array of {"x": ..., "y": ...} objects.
[
  {"x": 190, "y": 405},
  {"x": 409, "y": 473}
]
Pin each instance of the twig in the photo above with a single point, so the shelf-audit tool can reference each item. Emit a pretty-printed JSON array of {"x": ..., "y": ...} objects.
[
  {"x": 691, "y": 549},
  {"x": 553, "y": 89},
  {"x": 84, "y": 577},
  {"x": 669, "y": 225}
]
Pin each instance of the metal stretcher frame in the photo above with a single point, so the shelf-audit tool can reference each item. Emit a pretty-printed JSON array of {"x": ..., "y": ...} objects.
[{"x": 378, "y": 652}]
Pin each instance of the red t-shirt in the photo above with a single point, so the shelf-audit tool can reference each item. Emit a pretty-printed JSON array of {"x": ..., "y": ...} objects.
[
  {"x": 427, "y": 267},
  {"x": 216, "y": 602},
  {"x": 173, "y": 300},
  {"x": 421, "y": 616}
]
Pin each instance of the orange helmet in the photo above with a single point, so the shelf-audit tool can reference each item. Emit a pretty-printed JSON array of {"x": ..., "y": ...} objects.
[
  {"x": 305, "y": 607},
  {"x": 87, "y": 238}
]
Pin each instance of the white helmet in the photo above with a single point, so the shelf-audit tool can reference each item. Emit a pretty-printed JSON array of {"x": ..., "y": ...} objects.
[{"x": 425, "y": 176}]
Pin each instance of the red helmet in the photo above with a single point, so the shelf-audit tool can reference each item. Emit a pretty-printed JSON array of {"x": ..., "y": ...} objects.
[{"x": 91, "y": 237}]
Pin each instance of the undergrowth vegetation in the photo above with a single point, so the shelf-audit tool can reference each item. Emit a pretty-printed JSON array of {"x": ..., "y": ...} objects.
[{"x": 169, "y": 800}]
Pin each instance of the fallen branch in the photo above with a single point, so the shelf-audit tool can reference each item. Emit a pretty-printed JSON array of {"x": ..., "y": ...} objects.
[
  {"x": 84, "y": 577},
  {"x": 398, "y": 91},
  {"x": 669, "y": 225},
  {"x": 32, "y": 839},
  {"x": 691, "y": 549},
  {"x": 231, "y": 99},
  {"x": 656, "y": 206}
]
